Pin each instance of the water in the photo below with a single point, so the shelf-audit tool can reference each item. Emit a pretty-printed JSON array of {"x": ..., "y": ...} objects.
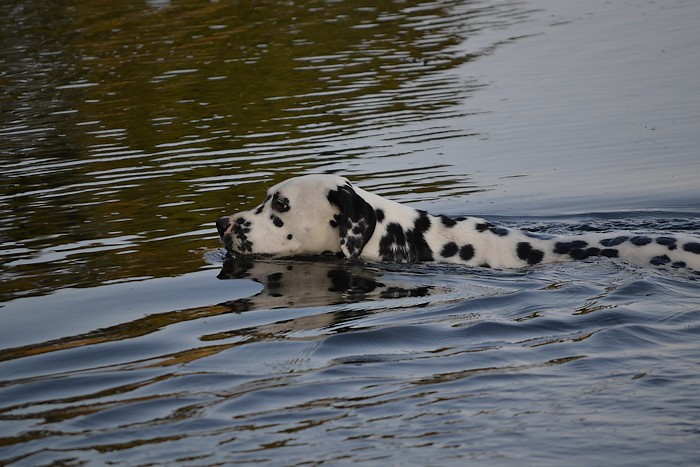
[{"x": 127, "y": 128}]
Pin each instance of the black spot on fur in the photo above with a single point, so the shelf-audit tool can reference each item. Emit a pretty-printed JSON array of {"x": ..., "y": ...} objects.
[
  {"x": 640, "y": 240},
  {"x": 563, "y": 248},
  {"x": 692, "y": 247},
  {"x": 392, "y": 246},
  {"x": 416, "y": 238},
  {"x": 422, "y": 224},
  {"x": 260, "y": 208},
  {"x": 528, "y": 254},
  {"x": 354, "y": 212},
  {"x": 583, "y": 253},
  {"x": 396, "y": 233},
  {"x": 669, "y": 242},
  {"x": 576, "y": 249},
  {"x": 352, "y": 243},
  {"x": 335, "y": 221},
  {"x": 614, "y": 241},
  {"x": 678, "y": 264},
  {"x": 379, "y": 214},
  {"x": 358, "y": 228},
  {"x": 410, "y": 245},
  {"x": 277, "y": 221},
  {"x": 466, "y": 252},
  {"x": 484, "y": 226},
  {"x": 660, "y": 260},
  {"x": 241, "y": 229},
  {"x": 289, "y": 237},
  {"x": 450, "y": 249},
  {"x": 448, "y": 221}
]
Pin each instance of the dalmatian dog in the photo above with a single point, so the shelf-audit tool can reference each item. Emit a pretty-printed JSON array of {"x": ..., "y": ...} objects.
[{"x": 326, "y": 215}]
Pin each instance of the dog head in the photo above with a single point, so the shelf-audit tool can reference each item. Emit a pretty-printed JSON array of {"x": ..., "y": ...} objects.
[{"x": 308, "y": 215}]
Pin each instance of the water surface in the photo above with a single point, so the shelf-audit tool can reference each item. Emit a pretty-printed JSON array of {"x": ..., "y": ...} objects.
[{"x": 127, "y": 128}]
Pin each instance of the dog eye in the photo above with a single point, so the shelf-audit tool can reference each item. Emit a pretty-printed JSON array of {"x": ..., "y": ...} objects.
[{"x": 280, "y": 204}]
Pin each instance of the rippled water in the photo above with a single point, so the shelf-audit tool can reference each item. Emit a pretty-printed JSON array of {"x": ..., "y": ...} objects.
[{"x": 127, "y": 128}]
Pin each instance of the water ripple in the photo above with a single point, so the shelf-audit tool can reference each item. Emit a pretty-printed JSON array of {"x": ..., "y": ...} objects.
[
  {"x": 282, "y": 379},
  {"x": 128, "y": 338}
]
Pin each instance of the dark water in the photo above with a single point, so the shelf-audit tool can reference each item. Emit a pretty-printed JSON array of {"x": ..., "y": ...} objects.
[{"x": 127, "y": 128}]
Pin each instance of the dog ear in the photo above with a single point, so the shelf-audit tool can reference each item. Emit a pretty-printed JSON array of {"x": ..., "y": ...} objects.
[{"x": 356, "y": 221}]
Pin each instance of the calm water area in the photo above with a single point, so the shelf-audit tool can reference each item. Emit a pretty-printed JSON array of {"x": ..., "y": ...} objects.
[{"x": 127, "y": 128}]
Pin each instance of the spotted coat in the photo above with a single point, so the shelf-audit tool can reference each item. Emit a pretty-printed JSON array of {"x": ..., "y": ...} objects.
[{"x": 326, "y": 214}]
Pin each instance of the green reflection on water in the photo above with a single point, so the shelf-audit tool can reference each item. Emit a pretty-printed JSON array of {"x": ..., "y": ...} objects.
[{"x": 126, "y": 130}]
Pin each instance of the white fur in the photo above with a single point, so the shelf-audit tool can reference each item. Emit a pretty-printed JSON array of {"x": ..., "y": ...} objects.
[{"x": 307, "y": 229}]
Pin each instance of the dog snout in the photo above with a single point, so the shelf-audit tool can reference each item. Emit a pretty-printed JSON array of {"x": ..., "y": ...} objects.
[{"x": 222, "y": 224}]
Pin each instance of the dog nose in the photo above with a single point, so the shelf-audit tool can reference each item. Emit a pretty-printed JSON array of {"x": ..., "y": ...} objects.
[{"x": 222, "y": 224}]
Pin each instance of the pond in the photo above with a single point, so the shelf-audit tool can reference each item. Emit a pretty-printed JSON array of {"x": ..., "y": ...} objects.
[{"x": 127, "y": 128}]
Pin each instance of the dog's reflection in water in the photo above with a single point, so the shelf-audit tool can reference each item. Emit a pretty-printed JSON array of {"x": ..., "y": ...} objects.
[{"x": 316, "y": 281}]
